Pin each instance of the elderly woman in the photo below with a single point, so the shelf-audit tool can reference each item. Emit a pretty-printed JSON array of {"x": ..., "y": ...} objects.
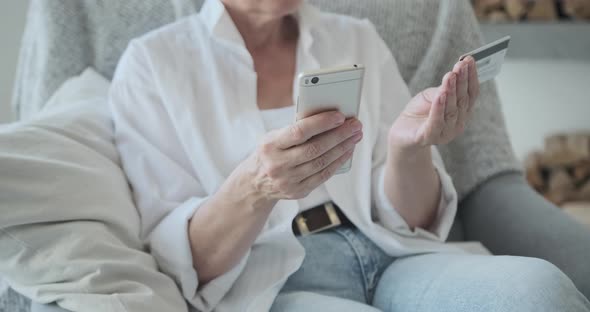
[{"x": 226, "y": 183}]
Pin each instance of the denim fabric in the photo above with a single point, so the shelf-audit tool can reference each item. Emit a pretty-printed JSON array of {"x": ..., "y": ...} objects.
[{"x": 344, "y": 271}]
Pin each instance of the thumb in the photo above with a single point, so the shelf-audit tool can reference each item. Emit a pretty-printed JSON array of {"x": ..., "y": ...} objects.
[{"x": 421, "y": 103}]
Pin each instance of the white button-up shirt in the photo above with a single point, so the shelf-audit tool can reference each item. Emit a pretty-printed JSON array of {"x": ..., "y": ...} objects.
[{"x": 185, "y": 112}]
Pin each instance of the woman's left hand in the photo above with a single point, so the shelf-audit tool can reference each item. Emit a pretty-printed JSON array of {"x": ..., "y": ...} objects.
[{"x": 438, "y": 115}]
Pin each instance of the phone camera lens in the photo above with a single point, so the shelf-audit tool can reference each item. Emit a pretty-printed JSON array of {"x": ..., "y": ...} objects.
[{"x": 315, "y": 80}]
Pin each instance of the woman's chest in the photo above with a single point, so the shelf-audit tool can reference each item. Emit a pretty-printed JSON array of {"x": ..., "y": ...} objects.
[
  {"x": 214, "y": 105},
  {"x": 275, "y": 74}
]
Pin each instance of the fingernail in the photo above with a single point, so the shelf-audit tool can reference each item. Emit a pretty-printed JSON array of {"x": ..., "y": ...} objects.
[
  {"x": 356, "y": 126},
  {"x": 357, "y": 137},
  {"x": 339, "y": 120}
]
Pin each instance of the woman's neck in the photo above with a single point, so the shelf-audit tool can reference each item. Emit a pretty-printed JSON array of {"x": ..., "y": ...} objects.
[{"x": 261, "y": 31}]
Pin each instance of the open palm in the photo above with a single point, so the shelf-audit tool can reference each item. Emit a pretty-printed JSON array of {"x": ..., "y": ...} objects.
[{"x": 438, "y": 115}]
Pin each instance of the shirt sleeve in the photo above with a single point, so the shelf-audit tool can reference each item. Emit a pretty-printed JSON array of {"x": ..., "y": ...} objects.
[
  {"x": 446, "y": 211},
  {"x": 166, "y": 190},
  {"x": 394, "y": 95}
]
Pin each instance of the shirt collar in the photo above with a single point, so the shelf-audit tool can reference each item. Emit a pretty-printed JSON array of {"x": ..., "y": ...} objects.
[{"x": 220, "y": 25}]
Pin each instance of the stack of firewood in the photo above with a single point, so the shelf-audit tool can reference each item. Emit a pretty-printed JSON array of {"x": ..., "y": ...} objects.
[
  {"x": 531, "y": 10},
  {"x": 561, "y": 172}
]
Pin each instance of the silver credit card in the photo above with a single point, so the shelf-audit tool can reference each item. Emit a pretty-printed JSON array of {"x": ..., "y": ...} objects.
[{"x": 489, "y": 58}]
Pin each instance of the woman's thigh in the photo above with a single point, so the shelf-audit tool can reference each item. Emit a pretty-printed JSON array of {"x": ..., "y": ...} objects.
[
  {"x": 303, "y": 301},
  {"x": 339, "y": 263},
  {"x": 447, "y": 282}
]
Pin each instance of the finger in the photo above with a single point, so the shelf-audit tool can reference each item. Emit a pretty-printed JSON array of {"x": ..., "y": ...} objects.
[
  {"x": 462, "y": 118},
  {"x": 306, "y": 128},
  {"x": 451, "y": 105},
  {"x": 451, "y": 111},
  {"x": 324, "y": 175},
  {"x": 473, "y": 88},
  {"x": 436, "y": 119},
  {"x": 463, "y": 99},
  {"x": 322, "y": 143},
  {"x": 461, "y": 70},
  {"x": 314, "y": 166}
]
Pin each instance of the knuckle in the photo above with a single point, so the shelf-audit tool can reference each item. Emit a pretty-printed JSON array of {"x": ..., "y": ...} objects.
[
  {"x": 343, "y": 133},
  {"x": 274, "y": 171},
  {"x": 344, "y": 148},
  {"x": 320, "y": 163},
  {"x": 266, "y": 148},
  {"x": 283, "y": 185},
  {"x": 451, "y": 115},
  {"x": 452, "y": 91},
  {"x": 312, "y": 150},
  {"x": 347, "y": 146},
  {"x": 462, "y": 101},
  {"x": 296, "y": 132}
]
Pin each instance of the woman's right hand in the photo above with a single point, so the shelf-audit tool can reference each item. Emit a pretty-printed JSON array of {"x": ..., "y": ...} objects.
[
  {"x": 289, "y": 164},
  {"x": 293, "y": 161}
]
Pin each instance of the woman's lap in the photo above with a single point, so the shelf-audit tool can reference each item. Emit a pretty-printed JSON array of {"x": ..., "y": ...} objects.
[
  {"x": 339, "y": 263},
  {"x": 344, "y": 271},
  {"x": 431, "y": 282},
  {"x": 453, "y": 282}
]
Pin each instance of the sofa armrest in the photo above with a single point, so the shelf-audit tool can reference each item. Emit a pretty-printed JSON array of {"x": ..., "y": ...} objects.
[{"x": 510, "y": 218}]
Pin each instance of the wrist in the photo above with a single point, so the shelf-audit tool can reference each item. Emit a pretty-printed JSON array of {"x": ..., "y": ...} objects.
[
  {"x": 242, "y": 188},
  {"x": 404, "y": 136},
  {"x": 400, "y": 146},
  {"x": 403, "y": 153}
]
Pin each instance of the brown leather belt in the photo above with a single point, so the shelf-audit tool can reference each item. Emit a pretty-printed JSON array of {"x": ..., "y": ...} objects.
[{"x": 319, "y": 218}]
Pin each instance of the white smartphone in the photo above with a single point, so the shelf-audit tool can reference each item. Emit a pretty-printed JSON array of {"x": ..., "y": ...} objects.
[{"x": 330, "y": 89}]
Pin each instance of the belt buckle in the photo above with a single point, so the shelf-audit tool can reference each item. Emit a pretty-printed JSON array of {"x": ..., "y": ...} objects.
[{"x": 332, "y": 215}]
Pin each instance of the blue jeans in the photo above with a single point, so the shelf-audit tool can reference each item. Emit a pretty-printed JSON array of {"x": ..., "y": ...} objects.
[{"x": 344, "y": 271}]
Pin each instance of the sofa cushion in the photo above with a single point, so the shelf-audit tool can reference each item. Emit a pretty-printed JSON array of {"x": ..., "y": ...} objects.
[{"x": 69, "y": 230}]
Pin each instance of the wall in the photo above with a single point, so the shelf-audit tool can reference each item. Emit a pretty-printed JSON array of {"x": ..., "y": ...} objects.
[
  {"x": 540, "y": 97},
  {"x": 12, "y": 20}
]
